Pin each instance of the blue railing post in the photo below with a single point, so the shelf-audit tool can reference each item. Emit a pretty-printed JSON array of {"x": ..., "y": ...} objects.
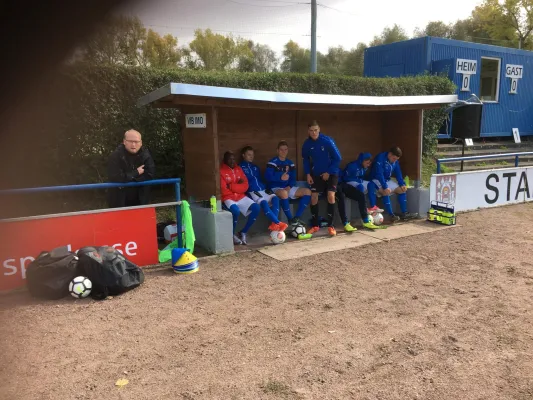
[
  {"x": 178, "y": 215},
  {"x": 438, "y": 166},
  {"x": 516, "y": 161}
]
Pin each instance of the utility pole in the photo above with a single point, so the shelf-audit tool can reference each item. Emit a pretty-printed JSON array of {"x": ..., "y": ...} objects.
[{"x": 313, "y": 36}]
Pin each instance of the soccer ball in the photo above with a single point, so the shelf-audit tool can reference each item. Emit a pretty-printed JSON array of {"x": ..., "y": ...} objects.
[
  {"x": 298, "y": 229},
  {"x": 80, "y": 287},
  {"x": 378, "y": 218},
  {"x": 277, "y": 237}
]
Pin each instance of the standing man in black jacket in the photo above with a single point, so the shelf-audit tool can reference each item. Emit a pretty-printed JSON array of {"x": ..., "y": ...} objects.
[{"x": 130, "y": 162}]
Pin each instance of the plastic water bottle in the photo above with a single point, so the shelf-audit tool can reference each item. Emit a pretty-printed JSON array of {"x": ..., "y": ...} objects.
[
  {"x": 406, "y": 179},
  {"x": 213, "y": 203}
]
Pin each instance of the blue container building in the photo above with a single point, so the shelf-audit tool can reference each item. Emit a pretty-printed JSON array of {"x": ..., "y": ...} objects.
[{"x": 501, "y": 77}]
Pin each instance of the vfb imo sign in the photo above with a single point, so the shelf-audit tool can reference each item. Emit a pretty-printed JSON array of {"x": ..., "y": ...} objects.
[{"x": 195, "y": 121}]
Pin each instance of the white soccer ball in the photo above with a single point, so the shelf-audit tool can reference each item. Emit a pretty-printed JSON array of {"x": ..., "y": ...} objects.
[
  {"x": 298, "y": 229},
  {"x": 80, "y": 287},
  {"x": 277, "y": 237},
  {"x": 378, "y": 218}
]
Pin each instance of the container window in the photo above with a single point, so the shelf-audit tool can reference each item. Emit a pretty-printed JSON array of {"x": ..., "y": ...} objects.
[{"x": 490, "y": 79}]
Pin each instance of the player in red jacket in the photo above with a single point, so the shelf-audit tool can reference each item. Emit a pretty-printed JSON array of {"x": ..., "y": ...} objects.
[{"x": 233, "y": 187}]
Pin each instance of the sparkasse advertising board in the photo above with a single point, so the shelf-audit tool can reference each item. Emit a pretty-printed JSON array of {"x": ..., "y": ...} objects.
[{"x": 132, "y": 232}]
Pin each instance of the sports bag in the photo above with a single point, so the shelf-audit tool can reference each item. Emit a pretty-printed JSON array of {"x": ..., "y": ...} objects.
[
  {"x": 109, "y": 271},
  {"x": 49, "y": 275}
]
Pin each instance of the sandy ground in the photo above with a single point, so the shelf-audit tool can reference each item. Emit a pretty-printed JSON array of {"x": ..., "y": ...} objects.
[{"x": 446, "y": 315}]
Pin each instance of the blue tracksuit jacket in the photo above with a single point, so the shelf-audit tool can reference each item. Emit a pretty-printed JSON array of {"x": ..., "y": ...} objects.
[
  {"x": 354, "y": 172},
  {"x": 382, "y": 170},
  {"x": 253, "y": 173},
  {"x": 323, "y": 154},
  {"x": 275, "y": 169}
]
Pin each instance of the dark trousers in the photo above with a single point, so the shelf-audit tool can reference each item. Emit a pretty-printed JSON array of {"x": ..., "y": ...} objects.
[
  {"x": 344, "y": 190},
  {"x": 128, "y": 197}
]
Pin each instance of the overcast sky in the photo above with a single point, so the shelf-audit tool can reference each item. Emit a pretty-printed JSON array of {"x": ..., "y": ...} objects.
[{"x": 275, "y": 22}]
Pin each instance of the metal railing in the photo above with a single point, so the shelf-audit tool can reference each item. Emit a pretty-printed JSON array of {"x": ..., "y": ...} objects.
[
  {"x": 482, "y": 157},
  {"x": 175, "y": 181}
]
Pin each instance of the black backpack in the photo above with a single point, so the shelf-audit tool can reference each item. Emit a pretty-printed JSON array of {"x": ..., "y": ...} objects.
[
  {"x": 49, "y": 275},
  {"x": 109, "y": 271}
]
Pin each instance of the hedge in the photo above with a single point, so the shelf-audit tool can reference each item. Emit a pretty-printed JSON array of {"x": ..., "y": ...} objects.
[{"x": 94, "y": 105}]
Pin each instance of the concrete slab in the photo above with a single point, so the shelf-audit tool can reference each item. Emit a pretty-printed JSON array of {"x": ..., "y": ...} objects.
[
  {"x": 293, "y": 250},
  {"x": 398, "y": 231}
]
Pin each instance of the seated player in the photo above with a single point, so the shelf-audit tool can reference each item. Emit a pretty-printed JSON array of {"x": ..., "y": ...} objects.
[
  {"x": 354, "y": 187},
  {"x": 281, "y": 179},
  {"x": 256, "y": 190},
  {"x": 233, "y": 186},
  {"x": 384, "y": 166}
]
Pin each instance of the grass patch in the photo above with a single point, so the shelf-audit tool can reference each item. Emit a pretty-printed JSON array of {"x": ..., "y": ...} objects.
[
  {"x": 164, "y": 214},
  {"x": 429, "y": 167},
  {"x": 279, "y": 389}
]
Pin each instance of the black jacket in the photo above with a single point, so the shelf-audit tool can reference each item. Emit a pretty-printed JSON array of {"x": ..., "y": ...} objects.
[{"x": 122, "y": 168}]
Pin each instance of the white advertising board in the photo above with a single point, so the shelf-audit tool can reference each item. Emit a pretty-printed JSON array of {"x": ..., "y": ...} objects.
[{"x": 482, "y": 189}]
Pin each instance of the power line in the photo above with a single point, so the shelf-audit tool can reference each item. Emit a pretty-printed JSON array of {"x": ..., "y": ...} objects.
[
  {"x": 226, "y": 31},
  {"x": 291, "y": 4},
  {"x": 336, "y": 9}
]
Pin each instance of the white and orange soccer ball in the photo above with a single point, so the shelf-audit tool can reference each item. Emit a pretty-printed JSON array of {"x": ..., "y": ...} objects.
[
  {"x": 277, "y": 237},
  {"x": 378, "y": 218}
]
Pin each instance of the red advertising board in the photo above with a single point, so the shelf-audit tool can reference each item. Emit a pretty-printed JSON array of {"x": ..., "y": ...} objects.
[{"x": 132, "y": 232}]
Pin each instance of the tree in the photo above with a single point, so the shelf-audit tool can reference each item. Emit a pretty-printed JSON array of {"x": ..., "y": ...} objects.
[
  {"x": 296, "y": 59},
  {"x": 510, "y": 21},
  {"x": 333, "y": 62},
  {"x": 160, "y": 51},
  {"x": 355, "y": 61},
  {"x": 435, "y": 29},
  {"x": 390, "y": 35},
  {"x": 215, "y": 51},
  {"x": 257, "y": 58},
  {"x": 118, "y": 40}
]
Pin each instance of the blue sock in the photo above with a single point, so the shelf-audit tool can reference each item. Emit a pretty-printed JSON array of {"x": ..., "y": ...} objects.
[
  {"x": 254, "y": 212},
  {"x": 372, "y": 199},
  {"x": 402, "y": 199},
  {"x": 275, "y": 206},
  {"x": 235, "y": 212},
  {"x": 387, "y": 204},
  {"x": 304, "y": 202},
  {"x": 270, "y": 215},
  {"x": 286, "y": 208}
]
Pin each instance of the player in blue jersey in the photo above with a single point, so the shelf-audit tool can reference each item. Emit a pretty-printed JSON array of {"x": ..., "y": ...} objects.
[
  {"x": 384, "y": 166},
  {"x": 354, "y": 186},
  {"x": 321, "y": 160},
  {"x": 280, "y": 176},
  {"x": 269, "y": 202}
]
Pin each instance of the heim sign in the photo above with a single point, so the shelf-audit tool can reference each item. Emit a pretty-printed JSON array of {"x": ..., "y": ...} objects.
[
  {"x": 467, "y": 68},
  {"x": 482, "y": 189},
  {"x": 132, "y": 232}
]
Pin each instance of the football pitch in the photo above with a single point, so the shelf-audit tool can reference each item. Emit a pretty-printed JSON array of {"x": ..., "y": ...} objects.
[{"x": 443, "y": 315}]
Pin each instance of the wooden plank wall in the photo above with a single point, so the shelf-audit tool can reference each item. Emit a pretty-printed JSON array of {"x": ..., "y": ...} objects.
[
  {"x": 201, "y": 155},
  {"x": 261, "y": 129},
  {"x": 404, "y": 129},
  {"x": 354, "y": 132}
]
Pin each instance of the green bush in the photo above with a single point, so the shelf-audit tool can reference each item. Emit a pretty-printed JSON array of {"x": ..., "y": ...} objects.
[{"x": 99, "y": 103}]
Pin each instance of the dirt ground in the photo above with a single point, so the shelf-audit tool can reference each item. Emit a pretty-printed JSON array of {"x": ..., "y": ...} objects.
[{"x": 446, "y": 315}]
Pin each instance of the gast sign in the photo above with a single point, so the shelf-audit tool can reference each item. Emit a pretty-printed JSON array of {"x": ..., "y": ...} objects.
[{"x": 481, "y": 189}]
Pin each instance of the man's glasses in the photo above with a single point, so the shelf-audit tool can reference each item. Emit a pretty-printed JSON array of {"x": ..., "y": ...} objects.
[{"x": 134, "y": 141}]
